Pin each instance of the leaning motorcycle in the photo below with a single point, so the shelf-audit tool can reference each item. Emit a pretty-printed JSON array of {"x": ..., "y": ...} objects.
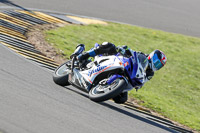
[{"x": 105, "y": 77}]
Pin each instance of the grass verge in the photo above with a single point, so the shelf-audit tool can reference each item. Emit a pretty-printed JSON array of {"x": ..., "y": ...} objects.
[{"x": 174, "y": 91}]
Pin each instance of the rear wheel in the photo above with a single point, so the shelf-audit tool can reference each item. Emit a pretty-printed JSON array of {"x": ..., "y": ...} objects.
[
  {"x": 121, "y": 98},
  {"x": 103, "y": 91},
  {"x": 60, "y": 76}
]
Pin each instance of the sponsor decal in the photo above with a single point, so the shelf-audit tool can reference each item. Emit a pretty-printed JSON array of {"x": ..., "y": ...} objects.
[
  {"x": 126, "y": 64},
  {"x": 83, "y": 82},
  {"x": 96, "y": 70},
  {"x": 99, "y": 70}
]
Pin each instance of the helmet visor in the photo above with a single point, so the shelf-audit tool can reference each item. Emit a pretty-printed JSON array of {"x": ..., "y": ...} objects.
[{"x": 157, "y": 63}]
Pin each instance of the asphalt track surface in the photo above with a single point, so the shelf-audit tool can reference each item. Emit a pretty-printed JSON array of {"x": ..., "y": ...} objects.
[
  {"x": 31, "y": 102},
  {"x": 177, "y": 16}
]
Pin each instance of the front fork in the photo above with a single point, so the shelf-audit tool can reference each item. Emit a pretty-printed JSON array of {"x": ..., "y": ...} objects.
[{"x": 76, "y": 79}]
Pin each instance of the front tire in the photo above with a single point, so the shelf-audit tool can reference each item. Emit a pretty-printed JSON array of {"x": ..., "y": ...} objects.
[
  {"x": 101, "y": 93},
  {"x": 60, "y": 76}
]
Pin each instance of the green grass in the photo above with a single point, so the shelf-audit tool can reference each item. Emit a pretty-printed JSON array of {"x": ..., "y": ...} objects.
[{"x": 174, "y": 91}]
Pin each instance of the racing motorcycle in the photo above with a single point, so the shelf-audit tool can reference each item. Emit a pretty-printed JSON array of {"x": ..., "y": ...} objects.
[{"x": 105, "y": 77}]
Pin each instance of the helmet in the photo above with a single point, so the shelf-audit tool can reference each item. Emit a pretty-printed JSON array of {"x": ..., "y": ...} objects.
[{"x": 157, "y": 60}]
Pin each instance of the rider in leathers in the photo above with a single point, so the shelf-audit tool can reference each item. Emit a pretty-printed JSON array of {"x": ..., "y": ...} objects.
[{"x": 156, "y": 60}]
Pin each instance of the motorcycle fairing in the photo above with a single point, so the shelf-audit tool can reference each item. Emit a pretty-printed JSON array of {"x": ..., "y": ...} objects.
[
  {"x": 84, "y": 79},
  {"x": 77, "y": 80},
  {"x": 104, "y": 64}
]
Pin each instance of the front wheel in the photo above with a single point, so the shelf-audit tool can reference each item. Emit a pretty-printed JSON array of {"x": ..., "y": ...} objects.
[
  {"x": 102, "y": 92},
  {"x": 60, "y": 76}
]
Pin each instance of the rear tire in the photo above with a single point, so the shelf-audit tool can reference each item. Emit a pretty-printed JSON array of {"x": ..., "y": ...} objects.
[
  {"x": 101, "y": 93},
  {"x": 121, "y": 98},
  {"x": 60, "y": 76}
]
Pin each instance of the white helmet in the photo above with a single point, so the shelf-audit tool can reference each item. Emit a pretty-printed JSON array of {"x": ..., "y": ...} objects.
[{"x": 157, "y": 60}]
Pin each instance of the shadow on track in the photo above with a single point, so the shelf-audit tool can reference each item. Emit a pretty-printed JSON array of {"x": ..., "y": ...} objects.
[
  {"x": 122, "y": 111},
  {"x": 137, "y": 117},
  {"x": 10, "y": 3},
  {"x": 82, "y": 93}
]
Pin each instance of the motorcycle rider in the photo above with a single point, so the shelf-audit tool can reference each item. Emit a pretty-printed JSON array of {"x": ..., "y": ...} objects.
[{"x": 156, "y": 60}]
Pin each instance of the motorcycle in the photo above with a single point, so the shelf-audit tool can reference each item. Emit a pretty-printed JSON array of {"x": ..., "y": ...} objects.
[{"x": 106, "y": 77}]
